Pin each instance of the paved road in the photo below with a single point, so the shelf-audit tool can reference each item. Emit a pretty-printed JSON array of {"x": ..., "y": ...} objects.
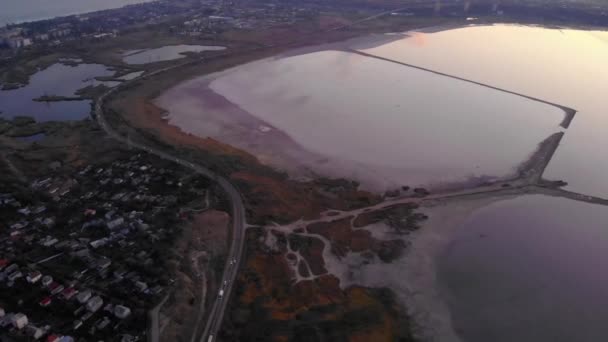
[
  {"x": 154, "y": 317},
  {"x": 233, "y": 258}
]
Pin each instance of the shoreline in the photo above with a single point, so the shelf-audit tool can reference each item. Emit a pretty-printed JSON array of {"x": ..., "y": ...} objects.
[
  {"x": 227, "y": 122},
  {"x": 19, "y": 21}
]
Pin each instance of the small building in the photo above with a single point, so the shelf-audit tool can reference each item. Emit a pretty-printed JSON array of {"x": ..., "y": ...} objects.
[
  {"x": 55, "y": 288},
  {"x": 46, "y": 302},
  {"x": 34, "y": 332},
  {"x": 2, "y": 313},
  {"x": 83, "y": 296},
  {"x": 33, "y": 277},
  {"x": 12, "y": 268},
  {"x": 53, "y": 338},
  {"x": 141, "y": 286},
  {"x": 121, "y": 311},
  {"x": 19, "y": 321},
  {"x": 69, "y": 293},
  {"x": 103, "y": 323},
  {"x": 47, "y": 280},
  {"x": 18, "y": 42},
  {"x": 41, "y": 37},
  {"x": 15, "y": 275},
  {"x": 94, "y": 304},
  {"x": 99, "y": 243},
  {"x": 115, "y": 223}
]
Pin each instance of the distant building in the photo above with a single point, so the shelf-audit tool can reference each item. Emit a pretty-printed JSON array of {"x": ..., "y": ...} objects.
[
  {"x": 115, "y": 223},
  {"x": 33, "y": 277},
  {"x": 34, "y": 332},
  {"x": 46, "y": 302},
  {"x": 15, "y": 275},
  {"x": 12, "y": 268},
  {"x": 41, "y": 37},
  {"x": 141, "y": 286},
  {"x": 19, "y": 321},
  {"x": 94, "y": 304},
  {"x": 121, "y": 312},
  {"x": 56, "y": 288},
  {"x": 83, "y": 296},
  {"x": 103, "y": 324},
  {"x": 53, "y": 338},
  {"x": 14, "y": 39},
  {"x": 47, "y": 280},
  {"x": 99, "y": 243},
  {"x": 69, "y": 293}
]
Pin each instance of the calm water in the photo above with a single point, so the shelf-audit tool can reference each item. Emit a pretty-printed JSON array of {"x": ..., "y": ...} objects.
[
  {"x": 58, "y": 79},
  {"x": 529, "y": 269},
  {"x": 33, "y": 138},
  {"x": 564, "y": 66},
  {"x": 14, "y": 11},
  {"x": 165, "y": 53},
  {"x": 407, "y": 125}
]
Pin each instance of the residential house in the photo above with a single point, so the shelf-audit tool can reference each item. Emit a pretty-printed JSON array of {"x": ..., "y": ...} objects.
[
  {"x": 94, "y": 304},
  {"x": 19, "y": 321},
  {"x": 121, "y": 311},
  {"x": 33, "y": 277}
]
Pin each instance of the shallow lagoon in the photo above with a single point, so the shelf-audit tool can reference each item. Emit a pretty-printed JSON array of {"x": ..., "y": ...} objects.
[
  {"x": 341, "y": 114},
  {"x": 59, "y": 80},
  {"x": 566, "y": 66},
  {"x": 165, "y": 53}
]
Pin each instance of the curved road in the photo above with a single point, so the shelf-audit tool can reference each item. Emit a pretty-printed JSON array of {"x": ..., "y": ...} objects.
[{"x": 233, "y": 259}]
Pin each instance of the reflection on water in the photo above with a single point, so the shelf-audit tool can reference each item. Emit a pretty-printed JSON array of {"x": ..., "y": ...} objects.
[
  {"x": 407, "y": 125},
  {"x": 59, "y": 80},
  {"x": 33, "y": 138},
  {"x": 164, "y": 53},
  {"x": 529, "y": 269},
  {"x": 563, "y": 66}
]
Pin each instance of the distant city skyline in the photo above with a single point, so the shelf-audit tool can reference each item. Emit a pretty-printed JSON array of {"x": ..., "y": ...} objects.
[{"x": 16, "y": 11}]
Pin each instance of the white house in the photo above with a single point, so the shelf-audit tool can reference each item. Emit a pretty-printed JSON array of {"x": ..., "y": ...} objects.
[
  {"x": 83, "y": 296},
  {"x": 94, "y": 304},
  {"x": 19, "y": 321}
]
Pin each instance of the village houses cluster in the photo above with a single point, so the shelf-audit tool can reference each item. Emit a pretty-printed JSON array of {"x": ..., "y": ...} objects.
[{"x": 83, "y": 253}]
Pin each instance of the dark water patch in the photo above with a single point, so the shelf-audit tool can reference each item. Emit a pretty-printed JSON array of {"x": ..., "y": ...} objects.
[
  {"x": 33, "y": 138},
  {"x": 165, "y": 53},
  {"x": 57, "y": 80},
  {"x": 529, "y": 269}
]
